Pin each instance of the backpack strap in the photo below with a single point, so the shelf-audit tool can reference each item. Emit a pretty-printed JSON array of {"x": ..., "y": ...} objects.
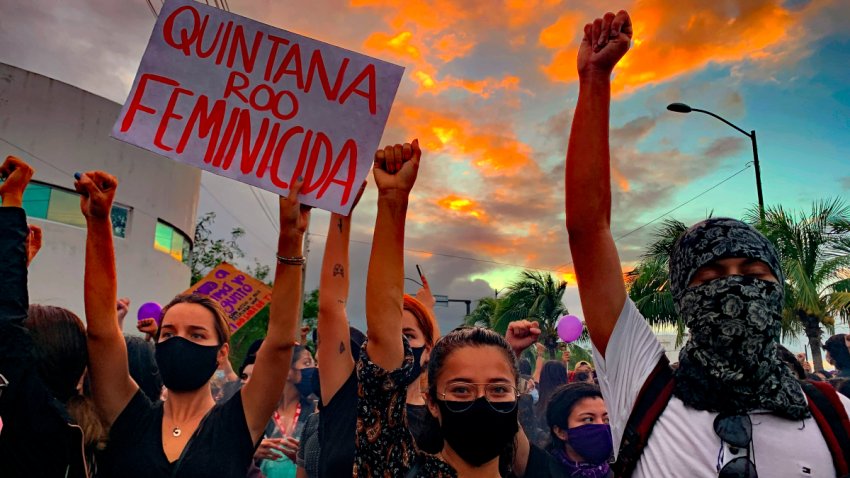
[
  {"x": 651, "y": 402},
  {"x": 832, "y": 419}
]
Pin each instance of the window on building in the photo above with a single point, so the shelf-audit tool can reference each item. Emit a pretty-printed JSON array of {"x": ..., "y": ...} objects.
[
  {"x": 172, "y": 241},
  {"x": 44, "y": 201}
]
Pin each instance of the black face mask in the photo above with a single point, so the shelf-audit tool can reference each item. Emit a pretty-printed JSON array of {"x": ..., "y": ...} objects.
[
  {"x": 185, "y": 365},
  {"x": 417, "y": 360},
  {"x": 480, "y": 433},
  {"x": 316, "y": 385},
  {"x": 305, "y": 386}
]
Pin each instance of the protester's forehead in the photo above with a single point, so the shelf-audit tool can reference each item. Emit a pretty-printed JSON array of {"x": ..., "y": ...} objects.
[
  {"x": 479, "y": 364},
  {"x": 186, "y": 315}
]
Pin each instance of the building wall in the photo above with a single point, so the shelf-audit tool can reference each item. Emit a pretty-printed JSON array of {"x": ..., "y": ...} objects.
[{"x": 60, "y": 130}]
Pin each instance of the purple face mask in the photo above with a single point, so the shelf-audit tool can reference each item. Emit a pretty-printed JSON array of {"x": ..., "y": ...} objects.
[{"x": 593, "y": 442}]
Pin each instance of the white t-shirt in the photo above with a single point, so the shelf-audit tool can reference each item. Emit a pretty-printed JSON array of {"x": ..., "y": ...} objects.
[{"x": 683, "y": 441}]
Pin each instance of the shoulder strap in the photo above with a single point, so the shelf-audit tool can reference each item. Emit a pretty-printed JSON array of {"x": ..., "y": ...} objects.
[
  {"x": 651, "y": 402},
  {"x": 832, "y": 419}
]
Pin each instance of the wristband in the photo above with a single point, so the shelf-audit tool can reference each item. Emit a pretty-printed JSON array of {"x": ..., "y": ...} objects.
[{"x": 292, "y": 261}]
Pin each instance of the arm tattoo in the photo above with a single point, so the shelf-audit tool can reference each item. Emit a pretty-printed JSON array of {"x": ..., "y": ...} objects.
[
  {"x": 339, "y": 270},
  {"x": 339, "y": 224},
  {"x": 341, "y": 347}
]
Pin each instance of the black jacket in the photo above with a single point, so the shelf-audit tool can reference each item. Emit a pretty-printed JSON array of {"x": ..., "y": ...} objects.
[{"x": 38, "y": 438}]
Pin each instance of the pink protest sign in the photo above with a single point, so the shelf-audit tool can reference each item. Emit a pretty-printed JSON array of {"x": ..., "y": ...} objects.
[{"x": 258, "y": 104}]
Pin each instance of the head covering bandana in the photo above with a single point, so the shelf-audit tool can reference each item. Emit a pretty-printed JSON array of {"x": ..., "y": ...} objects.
[{"x": 729, "y": 363}]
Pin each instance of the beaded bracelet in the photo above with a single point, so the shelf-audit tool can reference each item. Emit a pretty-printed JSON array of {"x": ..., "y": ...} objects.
[{"x": 292, "y": 261}]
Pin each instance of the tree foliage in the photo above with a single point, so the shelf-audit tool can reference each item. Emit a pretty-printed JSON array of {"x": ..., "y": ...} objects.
[{"x": 208, "y": 252}]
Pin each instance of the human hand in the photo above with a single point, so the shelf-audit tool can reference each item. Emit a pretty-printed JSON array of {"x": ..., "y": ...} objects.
[
  {"x": 17, "y": 175},
  {"x": 424, "y": 294},
  {"x": 123, "y": 306},
  {"x": 565, "y": 355},
  {"x": 305, "y": 330},
  {"x": 521, "y": 334},
  {"x": 97, "y": 191},
  {"x": 290, "y": 447},
  {"x": 147, "y": 326},
  {"x": 541, "y": 349},
  {"x": 605, "y": 42},
  {"x": 266, "y": 450},
  {"x": 396, "y": 167},
  {"x": 33, "y": 242},
  {"x": 294, "y": 216}
]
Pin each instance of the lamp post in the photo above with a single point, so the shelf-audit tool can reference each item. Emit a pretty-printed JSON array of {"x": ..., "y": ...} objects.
[{"x": 683, "y": 108}]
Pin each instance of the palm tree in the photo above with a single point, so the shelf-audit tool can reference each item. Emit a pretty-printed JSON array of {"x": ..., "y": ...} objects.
[
  {"x": 649, "y": 282},
  {"x": 815, "y": 251},
  {"x": 535, "y": 296},
  {"x": 482, "y": 315}
]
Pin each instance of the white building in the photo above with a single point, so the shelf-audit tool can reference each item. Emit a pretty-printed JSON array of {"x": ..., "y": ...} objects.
[{"x": 60, "y": 130}]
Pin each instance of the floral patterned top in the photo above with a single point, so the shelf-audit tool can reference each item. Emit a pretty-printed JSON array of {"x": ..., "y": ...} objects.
[{"x": 384, "y": 445}]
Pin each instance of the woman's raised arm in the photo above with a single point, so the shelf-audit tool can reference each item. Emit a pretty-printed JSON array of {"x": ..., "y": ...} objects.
[
  {"x": 395, "y": 172},
  {"x": 333, "y": 351},
  {"x": 112, "y": 386},
  {"x": 261, "y": 394}
]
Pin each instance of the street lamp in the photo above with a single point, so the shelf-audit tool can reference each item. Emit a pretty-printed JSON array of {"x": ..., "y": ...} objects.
[{"x": 683, "y": 108}]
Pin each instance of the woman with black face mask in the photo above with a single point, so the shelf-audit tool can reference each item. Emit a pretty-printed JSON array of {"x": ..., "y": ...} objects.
[
  {"x": 473, "y": 382},
  {"x": 580, "y": 437},
  {"x": 276, "y": 453},
  {"x": 188, "y": 435}
]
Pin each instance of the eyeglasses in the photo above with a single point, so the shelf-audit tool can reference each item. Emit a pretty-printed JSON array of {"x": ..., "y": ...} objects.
[
  {"x": 737, "y": 432},
  {"x": 459, "y": 396}
]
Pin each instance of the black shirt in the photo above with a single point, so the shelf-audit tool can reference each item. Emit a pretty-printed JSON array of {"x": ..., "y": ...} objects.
[
  {"x": 338, "y": 424},
  {"x": 221, "y": 446}
]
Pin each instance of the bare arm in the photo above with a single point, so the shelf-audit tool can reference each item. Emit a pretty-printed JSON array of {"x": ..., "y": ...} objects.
[
  {"x": 334, "y": 337},
  {"x": 261, "y": 394},
  {"x": 112, "y": 386},
  {"x": 588, "y": 179},
  {"x": 395, "y": 172},
  {"x": 538, "y": 363}
]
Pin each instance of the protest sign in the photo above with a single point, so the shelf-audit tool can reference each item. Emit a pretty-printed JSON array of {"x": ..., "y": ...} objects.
[
  {"x": 239, "y": 294},
  {"x": 258, "y": 104}
]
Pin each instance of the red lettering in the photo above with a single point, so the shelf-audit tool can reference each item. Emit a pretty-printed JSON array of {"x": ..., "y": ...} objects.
[
  {"x": 220, "y": 56},
  {"x": 136, "y": 103},
  {"x": 264, "y": 163},
  {"x": 243, "y": 136},
  {"x": 232, "y": 87},
  {"x": 317, "y": 64},
  {"x": 293, "y": 55},
  {"x": 225, "y": 139},
  {"x": 349, "y": 150},
  {"x": 167, "y": 116},
  {"x": 240, "y": 43},
  {"x": 209, "y": 124},
  {"x": 199, "y": 46},
  {"x": 186, "y": 40},
  {"x": 322, "y": 142},
  {"x": 367, "y": 74},
  {"x": 278, "y": 152},
  {"x": 276, "y": 42},
  {"x": 298, "y": 172}
]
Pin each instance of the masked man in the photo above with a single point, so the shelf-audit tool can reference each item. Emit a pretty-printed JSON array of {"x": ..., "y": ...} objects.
[{"x": 732, "y": 407}]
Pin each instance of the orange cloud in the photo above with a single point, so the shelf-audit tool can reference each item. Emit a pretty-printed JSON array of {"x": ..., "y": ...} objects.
[
  {"x": 492, "y": 152},
  {"x": 451, "y": 46},
  {"x": 675, "y": 37},
  {"x": 563, "y": 32},
  {"x": 463, "y": 206}
]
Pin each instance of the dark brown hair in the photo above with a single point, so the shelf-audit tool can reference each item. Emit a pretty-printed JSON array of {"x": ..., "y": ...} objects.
[
  {"x": 561, "y": 405},
  {"x": 222, "y": 328}
]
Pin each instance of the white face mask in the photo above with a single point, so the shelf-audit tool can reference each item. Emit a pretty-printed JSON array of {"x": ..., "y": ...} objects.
[{"x": 535, "y": 395}]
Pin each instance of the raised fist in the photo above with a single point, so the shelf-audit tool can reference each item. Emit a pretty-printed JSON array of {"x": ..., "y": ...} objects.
[
  {"x": 16, "y": 175},
  {"x": 97, "y": 191},
  {"x": 605, "y": 41},
  {"x": 521, "y": 334},
  {"x": 396, "y": 167}
]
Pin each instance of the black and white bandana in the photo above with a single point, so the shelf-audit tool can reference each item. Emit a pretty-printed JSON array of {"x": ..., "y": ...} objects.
[{"x": 729, "y": 363}]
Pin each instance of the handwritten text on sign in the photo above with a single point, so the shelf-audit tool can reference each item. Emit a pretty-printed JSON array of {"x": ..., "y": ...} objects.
[
  {"x": 258, "y": 104},
  {"x": 239, "y": 294}
]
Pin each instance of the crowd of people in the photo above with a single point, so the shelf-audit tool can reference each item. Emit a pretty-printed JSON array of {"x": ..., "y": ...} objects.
[{"x": 400, "y": 399}]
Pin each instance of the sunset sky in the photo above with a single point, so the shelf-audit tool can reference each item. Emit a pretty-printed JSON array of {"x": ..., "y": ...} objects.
[{"x": 489, "y": 90}]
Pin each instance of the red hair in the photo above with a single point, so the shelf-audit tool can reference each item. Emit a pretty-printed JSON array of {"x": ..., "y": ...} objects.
[{"x": 425, "y": 318}]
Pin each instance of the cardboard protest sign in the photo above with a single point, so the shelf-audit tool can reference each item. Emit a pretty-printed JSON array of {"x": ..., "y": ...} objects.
[
  {"x": 239, "y": 294},
  {"x": 258, "y": 104}
]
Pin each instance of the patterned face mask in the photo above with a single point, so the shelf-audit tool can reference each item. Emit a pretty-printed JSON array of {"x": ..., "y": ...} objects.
[{"x": 729, "y": 363}]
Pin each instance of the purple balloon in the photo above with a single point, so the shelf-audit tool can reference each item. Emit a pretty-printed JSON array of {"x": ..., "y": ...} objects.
[
  {"x": 150, "y": 310},
  {"x": 569, "y": 328}
]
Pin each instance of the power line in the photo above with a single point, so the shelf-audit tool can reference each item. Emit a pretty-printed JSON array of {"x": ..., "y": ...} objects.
[
  {"x": 671, "y": 210},
  {"x": 234, "y": 216},
  {"x": 263, "y": 207},
  {"x": 153, "y": 10}
]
